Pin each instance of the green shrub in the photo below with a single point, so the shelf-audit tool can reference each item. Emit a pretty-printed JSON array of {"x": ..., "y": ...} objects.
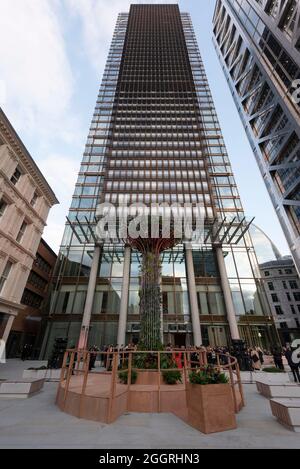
[
  {"x": 172, "y": 376},
  {"x": 208, "y": 375},
  {"x": 145, "y": 361},
  {"x": 273, "y": 369},
  {"x": 123, "y": 376}
]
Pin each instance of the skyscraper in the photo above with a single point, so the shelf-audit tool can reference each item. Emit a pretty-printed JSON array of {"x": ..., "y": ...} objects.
[
  {"x": 155, "y": 136},
  {"x": 258, "y": 43}
]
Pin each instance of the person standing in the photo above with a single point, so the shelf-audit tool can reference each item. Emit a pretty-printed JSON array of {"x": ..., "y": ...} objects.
[
  {"x": 255, "y": 360},
  {"x": 260, "y": 354},
  {"x": 293, "y": 366},
  {"x": 277, "y": 357}
]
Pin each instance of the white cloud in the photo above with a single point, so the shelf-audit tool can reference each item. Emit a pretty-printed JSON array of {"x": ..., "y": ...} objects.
[
  {"x": 61, "y": 172},
  {"x": 34, "y": 65}
]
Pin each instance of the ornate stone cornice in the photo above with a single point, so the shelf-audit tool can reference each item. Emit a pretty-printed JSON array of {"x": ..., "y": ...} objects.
[{"x": 26, "y": 159}]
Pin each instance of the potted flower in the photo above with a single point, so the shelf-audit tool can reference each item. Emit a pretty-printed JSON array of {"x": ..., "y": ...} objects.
[{"x": 210, "y": 401}]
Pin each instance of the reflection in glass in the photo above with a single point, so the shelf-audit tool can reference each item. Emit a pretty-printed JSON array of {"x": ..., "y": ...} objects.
[{"x": 242, "y": 264}]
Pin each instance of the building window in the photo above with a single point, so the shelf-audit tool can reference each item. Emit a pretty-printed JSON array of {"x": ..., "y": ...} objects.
[
  {"x": 3, "y": 206},
  {"x": 16, "y": 176},
  {"x": 30, "y": 298},
  {"x": 34, "y": 199},
  {"x": 274, "y": 298},
  {"x": 288, "y": 271},
  {"x": 278, "y": 310},
  {"x": 271, "y": 286},
  {"x": 290, "y": 18},
  {"x": 22, "y": 231},
  {"x": 293, "y": 309},
  {"x": 288, "y": 296},
  {"x": 267, "y": 273},
  {"x": 5, "y": 275},
  {"x": 283, "y": 325},
  {"x": 297, "y": 296},
  {"x": 297, "y": 322},
  {"x": 284, "y": 284},
  {"x": 37, "y": 281},
  {"x": 293, "y": 284},
  {"x": 272, "y": 8}
]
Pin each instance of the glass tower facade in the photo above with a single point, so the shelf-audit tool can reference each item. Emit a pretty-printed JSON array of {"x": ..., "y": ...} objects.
[
  {"x": 155, "y": 137},
  {"x": 258, "y": 44}
]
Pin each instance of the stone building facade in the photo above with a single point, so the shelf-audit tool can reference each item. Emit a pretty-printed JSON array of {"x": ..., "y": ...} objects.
[
  {"x": 282, "y": 286},
  {"x": 25, "y": 201}
]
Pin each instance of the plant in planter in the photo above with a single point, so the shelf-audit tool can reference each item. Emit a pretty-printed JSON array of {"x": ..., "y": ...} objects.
[
  {"x": 123, "y": 376},
  {"x": 210, "y": 401},
  {"x": 172, "y": 376},
  {"x": 146, "y": 361},
  {"x": 208, "y": 375}
]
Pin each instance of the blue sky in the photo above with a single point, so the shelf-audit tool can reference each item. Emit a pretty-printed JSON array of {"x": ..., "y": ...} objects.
[{"x": 53, "y": 55}]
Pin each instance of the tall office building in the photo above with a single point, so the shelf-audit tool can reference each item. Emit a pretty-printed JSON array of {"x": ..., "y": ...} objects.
[
  {"x": 155, "y": 136},
  {"x": 258, "y": 43}
]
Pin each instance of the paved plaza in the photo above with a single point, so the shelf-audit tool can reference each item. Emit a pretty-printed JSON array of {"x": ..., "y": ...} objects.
[{"x": 38, "y": 423}]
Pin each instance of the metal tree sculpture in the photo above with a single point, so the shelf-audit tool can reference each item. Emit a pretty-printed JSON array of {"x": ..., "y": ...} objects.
[{"x": 150, "y": 292}]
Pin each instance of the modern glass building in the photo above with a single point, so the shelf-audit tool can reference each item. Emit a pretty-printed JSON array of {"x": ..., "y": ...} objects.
[
  {"x": 155, "y": 136},
  {"x": 258, "y": 44}
]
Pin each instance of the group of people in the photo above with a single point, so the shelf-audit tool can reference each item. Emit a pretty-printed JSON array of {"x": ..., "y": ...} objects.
[
  {"x": 105, "y": 354},
  {"x": 278, "y": 354},
  {"x": 250, "y": 359}
]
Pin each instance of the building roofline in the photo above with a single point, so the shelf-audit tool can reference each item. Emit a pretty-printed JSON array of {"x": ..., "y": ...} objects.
[
  {"x": 21, "y": 150},
  {"x": 48, "y": 247},
  {"x": 284, "y": 262}
]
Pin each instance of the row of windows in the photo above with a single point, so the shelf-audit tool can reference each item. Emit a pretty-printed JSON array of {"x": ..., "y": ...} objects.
[
  {"x": 292, "y": 283},
  {"x": 159, "y": 163},
  {"x": 296, "y": 296},
  {"x": 37, "y": 281},
  {"x": 276, "y": 299},
  {"x": 147, "y": 198},
  {"x": 158, "y": 174},
  {"x": 280, "y": 312},
  {"x": 280, "y": 272},
  {"x": 30, "y": 298},
  {"x": 153, "y": 185}
]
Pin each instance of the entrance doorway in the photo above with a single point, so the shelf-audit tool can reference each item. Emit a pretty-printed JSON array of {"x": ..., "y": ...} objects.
[{"x": 179, "y": 340}]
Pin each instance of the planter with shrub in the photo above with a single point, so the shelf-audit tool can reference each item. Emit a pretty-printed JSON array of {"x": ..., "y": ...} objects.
[{"x": 210, "y": 401}]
